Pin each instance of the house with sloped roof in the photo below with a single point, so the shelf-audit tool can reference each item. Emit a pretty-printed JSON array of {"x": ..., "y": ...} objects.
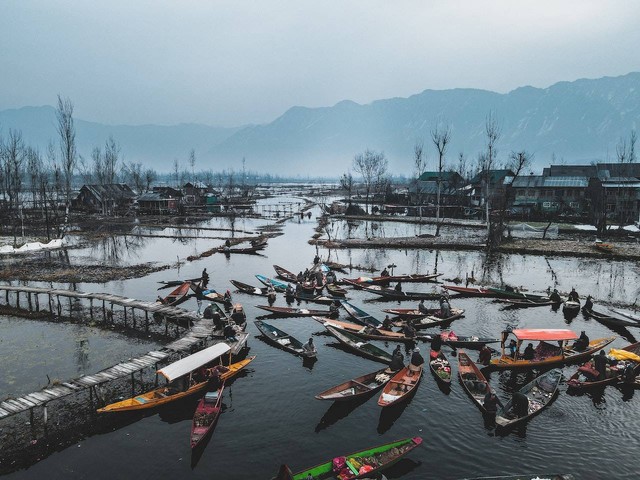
[
  {"x": 477, "y": 187},
  {"x": 425, "y": 189},
  {"x": 545, "y": 194},
  {"x": 107, "y": 199}
]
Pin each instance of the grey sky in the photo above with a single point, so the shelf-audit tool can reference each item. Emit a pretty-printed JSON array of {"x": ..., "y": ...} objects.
[{"x": 235, "y": 62}]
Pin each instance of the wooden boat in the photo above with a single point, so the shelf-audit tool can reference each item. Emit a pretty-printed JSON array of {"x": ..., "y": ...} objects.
[
  {"x": 285, "y": 274},
  {"x": 441, "y": 368},
  {"x": 470, "y": 291},
  {"x": 360, "y": 315},
  {"x": 472, "y": 380},
  {"x": 336, "y": 290},
  {"x": 525, "y": 303},
  {"x": 177, "y": 296},
  {"x": 378, "y": 458},
  {"x": 608, "y": 319},
  {"x": 540, "y": 391},
  {"x": 400, "y": 387},
  {"x": 603, "y": 247},
  {"x": 410, "y": 278},
  {"x": 211, "y": 295},
  {"x": 546, "y": 354},
  {"x": 246, "y": 288},
  {"x": 336, "y": 267},
  {"x": 294, "y": 312},
  {"x": 277, "y": 284},
  {"x": 205, "y": 416},
  {"x": 571, "y": 306},
  {"x": 313, "y": 298},
  {"x": 434, "y": 321},
  {"x": 529, "y": 476},
  {"x": 356, "y": 388},
  {"x": 511, "y": 293},
  {"x": 408, "y": 313},
  {"x": 170, "y": 392},
  {"x": 392, "y": 294},
  {"x": 367, "y": 332},
  {"x": 630, "y": 316},
  {"x": 252, "y": 250},
  {"x": 575, "y": 381},
  {"x": 462, "y": 341},
  {"x": 355, "y": 344},
  {"x": 176, "y": 283},
  {"x": 283, "y": 340}
]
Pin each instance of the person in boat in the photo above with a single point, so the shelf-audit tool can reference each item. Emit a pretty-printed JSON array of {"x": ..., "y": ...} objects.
[
  {"x": 300, "y": 277},
  {"x": 208, "y": 312},
  {"x": 484, "y": 358},
  {"x": 160, "y": 299},
  {"x": 529, "y": 352},
  {"x": 309, "y": 347},
  {"x": 204, "y": 279},
  {"x": 555, "y": 296},
  {"x": 600, "y": 362},
  {"x": 588, "y": 304},
  {"x": 513, "y": 349},
  {"x": 227, "y": 245},
  {"x": 573, "y": 295},
  {"x": 409, "y": 330},
  {"x": 491, "y": 402},
  {"x": 416, "y": 361},
  {"x": 290, "y": 291},
  {"x": 422, "y": 308},
  {"x": 309, "y": 214},
  {"x": 582, "y": 343},
  {"x": 387, "y": 323},
  {"x": 271, "y": 294},
  {"x": 629, "y": 373},
  {"x": 436, "y": 345},
  {"x": 217, "y": 321},
  {"x": 316, "y": 259},
  {"x": 230, "y": 332},
  {"x": 520, "y": 404},
  {"x": 398, "y": 288},
  {"x": 397, "y": 361},
  {"x": 384, "y": 273},
  {"x": 445, "y": 308},
  {"x": 319, "y": 279},
  {"x": 214, "y": 375},
  {"x": 334, "y": 309}
]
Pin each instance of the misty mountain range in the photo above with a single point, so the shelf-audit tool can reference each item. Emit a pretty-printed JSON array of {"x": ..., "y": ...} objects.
[{"x": 578, "y": 121}]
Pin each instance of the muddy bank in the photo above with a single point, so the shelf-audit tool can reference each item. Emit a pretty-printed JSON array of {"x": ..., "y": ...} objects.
[{"x": 571, "y": 247}]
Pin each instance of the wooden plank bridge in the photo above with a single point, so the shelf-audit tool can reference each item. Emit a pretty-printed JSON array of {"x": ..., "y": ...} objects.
[{"x": 200, "y": 330}]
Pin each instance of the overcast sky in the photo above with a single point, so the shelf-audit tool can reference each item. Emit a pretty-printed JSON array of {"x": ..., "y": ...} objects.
[{"x": 236, "y": 62}]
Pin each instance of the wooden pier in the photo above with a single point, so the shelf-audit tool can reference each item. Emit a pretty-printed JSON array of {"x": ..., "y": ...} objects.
[{"x": 200, "y": 330}]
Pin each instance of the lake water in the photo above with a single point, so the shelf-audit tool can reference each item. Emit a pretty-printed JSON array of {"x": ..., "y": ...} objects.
[{"x": 271, "y": 416}]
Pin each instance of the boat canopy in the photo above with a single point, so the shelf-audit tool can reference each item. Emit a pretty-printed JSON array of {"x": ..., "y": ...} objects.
[
  {"x": 544, "y": 334},
  {"x": 192, "y": 362}
]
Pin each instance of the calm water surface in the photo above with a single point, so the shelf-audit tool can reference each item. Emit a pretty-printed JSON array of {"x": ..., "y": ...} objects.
[{"x": 270, "y": 414}]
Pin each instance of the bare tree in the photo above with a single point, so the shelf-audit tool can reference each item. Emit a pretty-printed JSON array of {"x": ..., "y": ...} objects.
[
  {"x": 346, "y": 183},
  {"x": 420, "y": 166},
  {"x": 111, "y": 160},
  {"x": 176, "y": 172},
  {"x": 626, "y": 154},
  {"x": 192, "y": 164},
  {"x": 69, "y": 156},
  {"x": 371, "y": 166},
  {"x": 13, "y": 157},
  {"x": 134, "y": 174},
  {"x": 150, "y": 176},
  {"x": 440, "y": 136},
  {"x": 34, "y": 168},
  {"x": 493, "y": 132}
]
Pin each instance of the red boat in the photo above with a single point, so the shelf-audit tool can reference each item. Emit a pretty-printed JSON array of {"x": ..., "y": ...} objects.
[
  {"x": 470, "y": 291},
  {"x": 411, "y": 278},
  {"x": 207, "y": 412},
  {"x": 177, "y": 296}
]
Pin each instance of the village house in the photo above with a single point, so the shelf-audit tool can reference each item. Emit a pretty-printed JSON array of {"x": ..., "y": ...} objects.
[
  {"x": 106, "y": 199},
  {"x": 540, "y": 194},
  {"x": 195, "y": 193},
  {"x": 161, "y": 201}
]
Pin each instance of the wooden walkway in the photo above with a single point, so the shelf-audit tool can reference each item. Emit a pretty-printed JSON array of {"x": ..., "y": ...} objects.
[{"x": 201, "y": 329}]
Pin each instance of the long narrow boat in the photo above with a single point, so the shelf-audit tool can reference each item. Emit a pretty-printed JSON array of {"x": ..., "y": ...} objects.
[
  {"x": 356, "y": 388},
  {"x": 368, "y": 332},
  {"x": 470, "y": 291},
  {"x": 356, "y": 345},
  {"x": 378, "y": 458},
  {"x": 608, "y": 319},
  {"x": 336, "y": 290},
  {"x": 392, "y": 293},
  {"x": 526, "y": 303},
  {"x": 546, "y": 354},
  {"x": 587, "y": 376},
  {"x": 410, "y": 278},
  {"x": 277, "y": 284},
  {"x": 540, "y": 391},
  {"x": 441, "y": 368},
  {"x": 435, "y": 320},
  {"x": 285, "y": 274},
  {"x": 462, "y": 341},
  {"x": 408, "y": 313},
  {"x": 312, "y": 298},
  {"x": 175, "y": 283},
  {"x": 171, "y": 393},
  {"x": 246, "y": 288},
  {"x": 283, "y": 340},
  {"x": 294, "y": 312},
  {"x": 211, "y": 295},
  {"x": 400, "y": 387},
  {"x": 528, "y": 476},
  {"x": 177, "y": 296},
  {"x": 510, "y": 293},
  {"x": 360, "y": 315},
  {"x": 205, "y": 416},
  {"x": 630, "y": 316},
  {"x": 473, "y": 380},
  {"x": 252, "y": 250}
]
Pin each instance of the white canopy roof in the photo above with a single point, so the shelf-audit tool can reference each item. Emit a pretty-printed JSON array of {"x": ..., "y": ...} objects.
[{"x": 192, "y": 362}]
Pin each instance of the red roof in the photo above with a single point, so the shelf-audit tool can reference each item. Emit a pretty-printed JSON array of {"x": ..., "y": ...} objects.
[{"x": 544, "y": 334}]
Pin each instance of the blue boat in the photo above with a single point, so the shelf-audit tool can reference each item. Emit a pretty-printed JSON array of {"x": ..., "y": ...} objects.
[
  {"x": 277, "y": 284},
  {"x": 360, "y": 316}
]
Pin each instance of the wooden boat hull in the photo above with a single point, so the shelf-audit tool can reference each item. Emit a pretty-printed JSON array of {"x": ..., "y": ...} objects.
[
  {"x": 575, "y": 383},
  {"x": 470, "y": 291},
  {"x": 367, "y": 332},
  {"x": 281, "y": 339},
  {"x": 400, "y": 387},
  {"x": 360, "y": 316},
  {"x": 410, "y": 278},
  {"x": 441, "y": 369},
  {"x": 285, "y": 274},
  {"x": 355, "y": 344},
  {"x": 529, "y": 476},
  {"x": 336, "y": 290},
  {"x": 517, "y": 303},
  {"x": 433, "y": 321},
  {"x": 204, "y": 419},
  {"x": 324, "y": 470},
  {"x": 502, "y": 293},
  {"x": 178, "y": 296},
  {"x": 609, "y": 320},
  {"x": 294, "y": 312},
  {"x": 248, "y": 289},
  {"x": 540, "y": 392},
  {"x": 158, "y": 396},
  {"x": 356, "y": 388},
  {"x": 277, "y": 284},
  {"x": 506, "y": 362},
  {"x": 409, "y": 313},
  {"x": 472, "y": 379},
  {"x": 571, "y": 306}
]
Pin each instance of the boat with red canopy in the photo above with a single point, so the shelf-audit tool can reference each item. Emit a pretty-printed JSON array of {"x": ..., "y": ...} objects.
[{"x": 545, "y": 353}]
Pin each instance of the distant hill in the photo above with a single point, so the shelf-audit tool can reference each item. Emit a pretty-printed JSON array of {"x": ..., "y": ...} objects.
[{"x": 577, "y": 121}]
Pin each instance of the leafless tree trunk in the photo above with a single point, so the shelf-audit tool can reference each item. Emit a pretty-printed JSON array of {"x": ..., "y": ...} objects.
[
  {"x": 371, "y": 166},
  {"x": 176, "y": 172},
  {"x": 492, "y": 131},
  {"x": 420, "y": 165},
  {"x": 346, "y": 182},
  {"x": 192, "y": 164},
  {"x": 441, "y": 136},
  {"x": 149, "y": 177},
  {"x": 134, "y": 173},
  {"x": 67, "y": 132}
]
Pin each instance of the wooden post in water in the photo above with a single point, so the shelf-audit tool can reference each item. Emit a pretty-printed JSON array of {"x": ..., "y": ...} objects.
[
  {"x": 111, "y": 313},
  {"x": 6, "y": 296},
  {"x": 37, "y": 302},
  {"x": 133, "y": 317},
  {"x": 125, "y": 316},
  {"x": 104, "y": 311},
  {"x": 17, "y": 298},
  {"x": 156, "y": 382},
  {"x": 146, "y": 321},
  {"x": 59, "y": 306},
  {"x": 29, "y": 301},
  {"x": 133, "y": 385},
  {"x": 70, "y": 308},
  {"x": 50, "y": 307},
  {"x": 91, "y": 307},
  {"x": 166, "y": 325}
]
